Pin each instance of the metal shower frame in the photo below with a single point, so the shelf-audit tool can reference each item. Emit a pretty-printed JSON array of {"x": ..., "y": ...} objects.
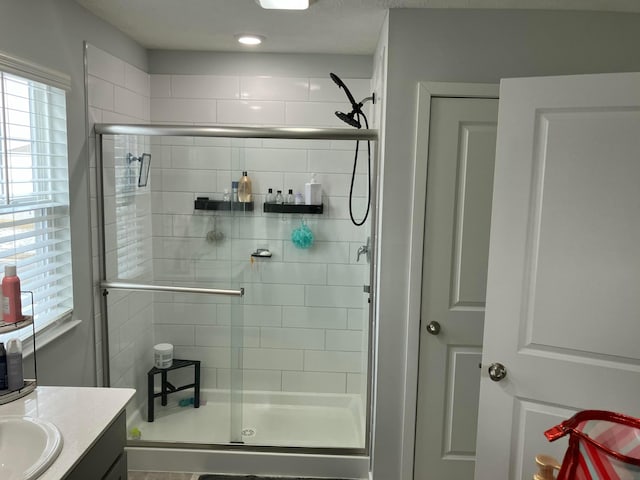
[{"x": 293, "y": 133}]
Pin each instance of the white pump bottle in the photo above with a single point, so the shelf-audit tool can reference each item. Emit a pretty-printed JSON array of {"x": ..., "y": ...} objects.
[{"x": 313, "y": 192}]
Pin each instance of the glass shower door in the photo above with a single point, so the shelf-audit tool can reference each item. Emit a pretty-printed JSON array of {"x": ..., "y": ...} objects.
[
  {"x": 162, "y": 257},
  {"x": 284, "y": 365},
  {"x": 305, "y": 337}
]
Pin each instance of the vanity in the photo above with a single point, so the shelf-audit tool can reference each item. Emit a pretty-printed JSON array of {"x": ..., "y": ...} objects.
[{"x": 92, "y": 427}]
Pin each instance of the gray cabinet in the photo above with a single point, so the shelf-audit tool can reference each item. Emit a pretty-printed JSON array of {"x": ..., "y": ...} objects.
[
  {"x": 118, "y": 470},
  {"x": 106, "y": 459}
]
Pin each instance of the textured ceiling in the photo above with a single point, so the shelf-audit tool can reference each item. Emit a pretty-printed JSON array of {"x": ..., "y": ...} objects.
[{"x": 328, "y": 26}]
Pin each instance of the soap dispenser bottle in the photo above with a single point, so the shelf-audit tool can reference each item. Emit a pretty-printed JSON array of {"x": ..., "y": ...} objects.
[
  {"x": 244, "y": 188},
  {"x": 312, "y": 192},
  {"x": 15, "y": 376}
]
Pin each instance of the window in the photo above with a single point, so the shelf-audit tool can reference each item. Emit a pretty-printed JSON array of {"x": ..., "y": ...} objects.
[{"x": 34, "y": 194}]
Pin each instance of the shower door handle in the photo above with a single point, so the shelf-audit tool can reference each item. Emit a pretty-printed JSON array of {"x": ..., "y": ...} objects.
[{"x": 169, "y": 288}]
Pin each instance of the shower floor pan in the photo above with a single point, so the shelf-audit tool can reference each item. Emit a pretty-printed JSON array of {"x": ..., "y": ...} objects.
[{"x": 268, "y": 419}]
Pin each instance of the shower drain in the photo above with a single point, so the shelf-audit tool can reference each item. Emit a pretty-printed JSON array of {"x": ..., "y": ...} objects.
[{"x": 248, "y": 432}]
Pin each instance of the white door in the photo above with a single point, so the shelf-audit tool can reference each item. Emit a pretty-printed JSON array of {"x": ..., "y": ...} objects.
[
  {"x": 563, "y": 292},
  {"x": 462, "y": 141}
]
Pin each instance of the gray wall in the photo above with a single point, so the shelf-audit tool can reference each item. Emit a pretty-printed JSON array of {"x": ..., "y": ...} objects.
[
  {"x": 51, "y": 33},
  {"x": 459, "y": 46}
]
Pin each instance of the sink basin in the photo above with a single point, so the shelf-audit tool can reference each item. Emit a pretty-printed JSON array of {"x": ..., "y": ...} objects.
[{"x": 28, "y": 446}]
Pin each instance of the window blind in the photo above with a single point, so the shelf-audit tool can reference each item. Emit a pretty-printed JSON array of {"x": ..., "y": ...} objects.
[{"x": 34, "y": 194}]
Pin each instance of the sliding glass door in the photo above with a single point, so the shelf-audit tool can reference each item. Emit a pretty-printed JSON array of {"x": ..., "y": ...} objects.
[{"x": 265, "y": 303}]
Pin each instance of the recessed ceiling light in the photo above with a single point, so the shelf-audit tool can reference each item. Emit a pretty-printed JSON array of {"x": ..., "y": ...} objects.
[
  {"x": 284, "y": 4},
  {"x": 249, "y": 39}
]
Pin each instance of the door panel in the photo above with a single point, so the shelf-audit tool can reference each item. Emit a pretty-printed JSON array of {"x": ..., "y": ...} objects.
[
  {"x": 589, "y": 182},
  {"x": 564, "y": 263},
  {"x": 460, "y": 173},
  {"x": 529, "y": 443},
  {"x": 461, "y": 408},
  {"x": 473, "y": 212}
]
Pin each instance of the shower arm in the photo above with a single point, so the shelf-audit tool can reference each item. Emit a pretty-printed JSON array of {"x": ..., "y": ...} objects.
[
  {"x": 371, "y": 99},
  {"x": 357, "y": 107}
]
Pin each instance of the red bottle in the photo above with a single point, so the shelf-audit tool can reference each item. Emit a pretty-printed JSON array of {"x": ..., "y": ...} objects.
[{"x": 11, "y": 303}]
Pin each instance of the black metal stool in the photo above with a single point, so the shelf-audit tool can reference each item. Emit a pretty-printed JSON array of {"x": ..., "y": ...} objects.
[{"x": 167, "y": 388}]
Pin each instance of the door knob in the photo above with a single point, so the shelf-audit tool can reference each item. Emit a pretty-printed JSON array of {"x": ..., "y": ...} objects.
[
  {"x": 497, "y": 372},
  {"x": 433, "y": 328}
]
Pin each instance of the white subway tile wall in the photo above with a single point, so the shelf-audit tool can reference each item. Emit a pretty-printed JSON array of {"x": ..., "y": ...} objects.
[
  {"x": 304, "y": 310},
  {"x": 303, "y": 319},
  {"x": 119, "y": 92}
]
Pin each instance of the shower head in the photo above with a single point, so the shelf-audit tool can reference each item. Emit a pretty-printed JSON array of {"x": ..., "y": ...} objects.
[
  {"x": 341, "y": 85},
  {"x": 352, "y": 118},
  {"x": 349, "y": 118}
]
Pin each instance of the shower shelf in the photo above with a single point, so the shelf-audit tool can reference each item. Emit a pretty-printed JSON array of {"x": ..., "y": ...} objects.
[
  {"x": 204, "y": 203},
  {"x": 5, "y": 327},
  {"x": 30, "y": 384},
  {"x": 288, "y": 208}
]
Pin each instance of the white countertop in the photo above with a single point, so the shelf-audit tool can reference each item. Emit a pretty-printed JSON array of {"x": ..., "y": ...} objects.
[{"x": 81, "y": 414}]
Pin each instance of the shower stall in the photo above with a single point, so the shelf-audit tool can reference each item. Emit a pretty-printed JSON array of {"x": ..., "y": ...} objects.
[{"x": 272, "y": 337}]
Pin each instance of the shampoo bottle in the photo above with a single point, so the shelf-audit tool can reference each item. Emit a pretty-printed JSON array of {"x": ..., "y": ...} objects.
[
  {"x": 244, "y": 188},
  {"x": 3, "y": 367},
  {"x": 11, "y": 304},
  {"x": 312, "y": 192},
  {"x": 15, "y": 378}
]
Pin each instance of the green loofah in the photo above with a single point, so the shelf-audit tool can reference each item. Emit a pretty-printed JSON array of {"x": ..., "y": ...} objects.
[{"x": 302, "y": 236}]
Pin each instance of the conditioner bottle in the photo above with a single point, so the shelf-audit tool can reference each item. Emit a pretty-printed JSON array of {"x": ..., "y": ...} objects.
[
  {"x": 3, "y": 367},
  {"x": 15, "y": 376},
  {"x": 313, "y": 192}
]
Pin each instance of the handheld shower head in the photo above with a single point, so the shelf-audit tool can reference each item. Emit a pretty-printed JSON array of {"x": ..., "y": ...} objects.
[
  {"x": 349, "y": 118},
  {"x": 336, "y": 79},
  {"x": 341, "y": 85},
  {"x": 353, "y": 118}
]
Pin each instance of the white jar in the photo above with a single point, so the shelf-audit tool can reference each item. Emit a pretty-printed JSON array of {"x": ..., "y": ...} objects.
[{"x": 163, "y": 355}]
